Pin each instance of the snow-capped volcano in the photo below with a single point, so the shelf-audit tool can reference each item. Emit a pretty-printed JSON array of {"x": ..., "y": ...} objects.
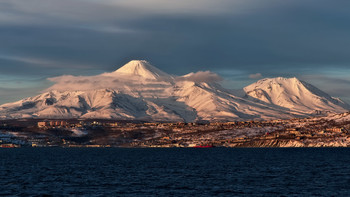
[
  {"x": 140, "y": 91},
  {"x": 296, "y": 95},
  {"x": 141, "y": 68}
]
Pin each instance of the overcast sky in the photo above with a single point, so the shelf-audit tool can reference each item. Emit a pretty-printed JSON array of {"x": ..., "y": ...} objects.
[{"x": 241, "y": 40}]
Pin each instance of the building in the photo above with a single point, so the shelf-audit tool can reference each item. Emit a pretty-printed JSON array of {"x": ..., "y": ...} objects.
[
  {"x": 43, "y": 124},
  {"x": 336, "y": 130},
  {"x": 52, "y": 123}
]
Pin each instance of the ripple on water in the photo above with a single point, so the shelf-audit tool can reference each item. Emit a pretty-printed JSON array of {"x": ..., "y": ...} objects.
[{"x": 175, "y": 172}]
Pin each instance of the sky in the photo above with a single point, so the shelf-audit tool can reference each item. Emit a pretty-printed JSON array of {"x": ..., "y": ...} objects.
[{"x": 240, "y": 40}]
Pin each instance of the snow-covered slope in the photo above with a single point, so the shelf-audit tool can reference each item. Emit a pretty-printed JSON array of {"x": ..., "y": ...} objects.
[
  {"x": 298, "y": 96},
  {"x": 103, "y": 103},
  {"x": 141, "y": 68},
  {"x": 212, "y": 102},
  {"x": 140, "y": 91}
]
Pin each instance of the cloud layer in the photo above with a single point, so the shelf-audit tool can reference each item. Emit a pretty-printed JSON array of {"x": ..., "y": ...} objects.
[
  {"x": 200, "y": 76},
  {"x": 255, "y": 76},
  {"x": 83, "y": 83},
  {"x": 190, "y": 35},
  {"x": 123, "y": 82}
]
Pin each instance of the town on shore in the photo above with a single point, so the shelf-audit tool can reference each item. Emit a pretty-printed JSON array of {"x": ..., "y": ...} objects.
[{"x": 305, "y": 132}]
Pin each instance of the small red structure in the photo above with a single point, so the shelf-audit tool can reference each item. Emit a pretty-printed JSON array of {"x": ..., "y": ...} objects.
[{"x": 204, "y": 146}]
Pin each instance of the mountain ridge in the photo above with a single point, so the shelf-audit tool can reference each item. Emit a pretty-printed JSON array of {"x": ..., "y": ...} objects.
[{"x": 140, "y": 91}]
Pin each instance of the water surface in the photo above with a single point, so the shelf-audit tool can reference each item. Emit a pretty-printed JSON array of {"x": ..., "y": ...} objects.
[{"x": 175, "y": 172}]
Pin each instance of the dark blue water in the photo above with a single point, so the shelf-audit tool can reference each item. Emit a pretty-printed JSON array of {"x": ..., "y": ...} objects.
[{"x": 175, "y": 172}]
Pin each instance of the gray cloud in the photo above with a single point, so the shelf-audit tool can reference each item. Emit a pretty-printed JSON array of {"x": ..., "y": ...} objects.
[
  {"x": 200, "y": 76},
  {"x": 255, "y": 76},
  {"x": 248, "y": 35}
]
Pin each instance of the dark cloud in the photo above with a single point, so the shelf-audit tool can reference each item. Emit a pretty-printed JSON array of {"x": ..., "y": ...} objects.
[{"x": 261, "y": 36}]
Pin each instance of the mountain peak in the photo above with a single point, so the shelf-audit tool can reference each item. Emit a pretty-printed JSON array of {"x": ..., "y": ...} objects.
[
  {"x": 142, "y": 68},
  {"x": 294, "y": 94},
  {"x": 278, "y": 79},
  {"x": 281, "y": 85}
]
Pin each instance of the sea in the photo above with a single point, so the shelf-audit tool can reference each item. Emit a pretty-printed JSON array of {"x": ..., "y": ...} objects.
[{"x": 175, "y": 172}]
